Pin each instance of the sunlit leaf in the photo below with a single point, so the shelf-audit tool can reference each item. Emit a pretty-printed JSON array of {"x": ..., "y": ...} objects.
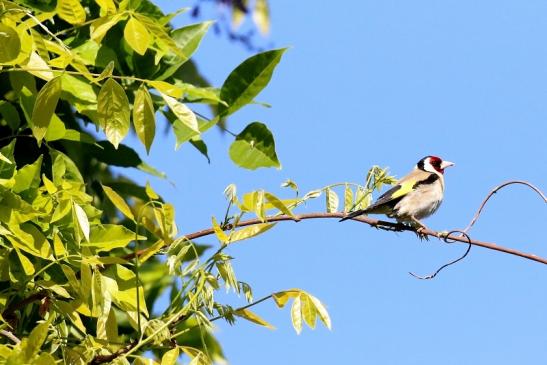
[
  {"x": 248, "y": 79},
  {"x": 332, "y": 200},
  {"x": 113, "y": 109},
  {"x": 261, "y": 16},
  {"x": 11, "y": 44},
  {"x": 276, "y": 202},
  {"x": 322, "y": 311},
  {"x": 248, "y": 232},
  {"x": 82, "y": 220},
  {"x": 44, "y": 107},
  {"x": 71, "y": 11},
  {"x": 222, "y": 237},
  {"x": 170, "y": 357},
  {"x": 118, "y": 202},
  {"x": 253, "y": 317},
  {"x": 101, "y": 26},
  {"x": 308, "y": 310},
  {"x": 254, "y": 147},
  {"x": 296, "y": 314},
  {"x": 109, "y": 236},
  {"x": 28, "y": 176},
  {"x": 137, "y": 36},
  {"x": 348, "y": 198},
  {"x": 143, "y": 117},
  {"x": 183, "y": 113}
]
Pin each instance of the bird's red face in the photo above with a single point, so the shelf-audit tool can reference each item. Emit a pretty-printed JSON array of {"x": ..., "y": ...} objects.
[{"x": 434, "y": 164}]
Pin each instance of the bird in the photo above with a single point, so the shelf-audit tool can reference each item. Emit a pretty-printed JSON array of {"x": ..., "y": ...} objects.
[{"x": 414, "y": 197}]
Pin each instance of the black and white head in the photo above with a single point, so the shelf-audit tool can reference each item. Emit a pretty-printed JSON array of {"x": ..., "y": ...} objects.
[{"x": 433, "y": 164}]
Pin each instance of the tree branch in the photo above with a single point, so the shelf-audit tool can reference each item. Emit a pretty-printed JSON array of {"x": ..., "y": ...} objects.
[{"x": 376, "y": 223}]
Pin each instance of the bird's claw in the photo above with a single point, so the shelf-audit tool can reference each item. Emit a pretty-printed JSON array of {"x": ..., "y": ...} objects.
[{"x": 420, "y": 233}]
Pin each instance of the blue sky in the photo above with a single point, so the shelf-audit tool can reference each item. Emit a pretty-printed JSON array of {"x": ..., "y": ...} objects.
[{"x": 388, "y": 82}]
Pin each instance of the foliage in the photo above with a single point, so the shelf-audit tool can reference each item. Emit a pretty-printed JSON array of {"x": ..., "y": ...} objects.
[{"x": 86, "y": 253}]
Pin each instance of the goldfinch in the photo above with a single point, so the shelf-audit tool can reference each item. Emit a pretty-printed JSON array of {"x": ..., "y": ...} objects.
[{"x": 416, "y": 196}]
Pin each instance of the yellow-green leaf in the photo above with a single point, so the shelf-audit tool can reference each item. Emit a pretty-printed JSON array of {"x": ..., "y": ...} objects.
[
  {"x": 167, "y": 88},
  {"x": 182, "y": 112},
  {"x": 170, "y": 357},
  {"x": 113, "y": 109},
  {"x": 331, "y": 200},
  {"x": 107, "y": 7},
  {"x": 150, "y": 192},
  {"x": 253, "y": 317},
  {"x": 281, "y": 298},
  {"x": 276, "y": 202},
  {"x": 137, "y": 36},
  {"x": 71, "y": 11},
  {"x": 44, "y": 107},
  {"x": 348, "y": 198},
  {"x": 11, "y": 44},
  {"x": 261, "y": 16},
  {"x": 222, "y": 237},
  {"x": 27, "y": 265},
  {"x": 296, "y": 314},
  {"x": 322, "y": 311},
  {"x": 308, "y": 310},
  {"x": 82, "y": 220},
  {"x": 118, "y": 202},
  {"x": 101, "y": 26},
  {"x": 109, "y": 236},
  {"x": 249, "y": 232},
  {"x": 143, "y": 117}
]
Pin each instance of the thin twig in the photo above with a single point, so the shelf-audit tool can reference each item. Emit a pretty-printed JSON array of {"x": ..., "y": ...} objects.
[
  {"x": 446, "y": 240},
  {"x": 494, "y": 191},
  {"x": 11, "y": 336}
]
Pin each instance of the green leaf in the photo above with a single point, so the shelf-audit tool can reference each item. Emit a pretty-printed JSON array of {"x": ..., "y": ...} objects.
[
  {"x": 36, "y": 339},
  {"x": 348, "y": 198},
  {"x": 143, "y": 117},
  {"x": 249, "y": 232},
  {"x": 118, "y": 202},
  {"x": 101, "y": 26},
  {"x": 222, "y": 237},
  {"x": 296, "y": 314},
  {"x": 199, "y": 145},
  {"x": 189, "y": 37},
  {"x": 30, "y": 239},
  {"x": 253, "y": 317},
  {"x": 183, "y": 113},
  {"x": 109, "y": 236},
  {"x": 308, "y": 310},
  {"x": 10, "y": 115},
  {"x": 332, "y": 200},
  {"x": 276, "y": 202},
  {"x": 254, "y": 147},
  {"x": 137, "y": 36},
  {"x": 150, "y": 192},
  {"x": 11, "y": 44},
  {"x": 82, "y": 220},
  {"x": 7, "y": 168},
  {"x": 247, "y": 80},
  {"x": 281, "y": 298},
  {"x": 113, "y": 109},
  {"x": 126, "y": 295},
  {"x": 28, "y": 176},
  {"x": 170, "y": 357},
  {"x": 27, "y": 265},
  {"x": 44, "y": 107},
  {"x": 322, "y": 311},
  {"x": 71, "y": 11}
]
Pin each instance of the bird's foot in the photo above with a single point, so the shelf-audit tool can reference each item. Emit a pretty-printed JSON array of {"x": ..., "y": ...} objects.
[
  {"x": 420, "y": 232},
  {"x": 442, "y": 235}
]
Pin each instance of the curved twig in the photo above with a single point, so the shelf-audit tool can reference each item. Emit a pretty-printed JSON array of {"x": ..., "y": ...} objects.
[
  {"x": 11, "y": 336},
  {"x": 494, "y": 191},
  {"x": 446, "y": 240}
]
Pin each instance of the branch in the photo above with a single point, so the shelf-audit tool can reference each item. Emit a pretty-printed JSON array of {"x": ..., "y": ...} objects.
[
  {"x": 376, "y": 223},
  {"x": 11, "y": 336}
]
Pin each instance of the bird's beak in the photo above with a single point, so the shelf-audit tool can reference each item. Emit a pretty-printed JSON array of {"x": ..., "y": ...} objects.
[{"x": 446, "y": 164}]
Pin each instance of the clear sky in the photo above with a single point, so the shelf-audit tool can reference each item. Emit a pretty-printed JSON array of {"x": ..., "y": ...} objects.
[{"x": 388, "y": 82}]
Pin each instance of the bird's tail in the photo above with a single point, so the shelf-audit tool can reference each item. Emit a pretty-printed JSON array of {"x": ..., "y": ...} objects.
[{"x": 353, "y": 214}]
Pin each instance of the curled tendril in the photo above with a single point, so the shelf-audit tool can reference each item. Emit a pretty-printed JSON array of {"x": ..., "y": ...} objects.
[{"x": 447, "y": 240}]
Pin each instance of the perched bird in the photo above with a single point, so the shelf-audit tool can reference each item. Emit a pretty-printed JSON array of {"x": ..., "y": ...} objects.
[{"x": 416, "y": 196}]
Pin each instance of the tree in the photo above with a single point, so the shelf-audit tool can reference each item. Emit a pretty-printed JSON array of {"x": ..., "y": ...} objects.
[
  {"x": 80, "y": 244},
  {"x": 86, "y": 252}
]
